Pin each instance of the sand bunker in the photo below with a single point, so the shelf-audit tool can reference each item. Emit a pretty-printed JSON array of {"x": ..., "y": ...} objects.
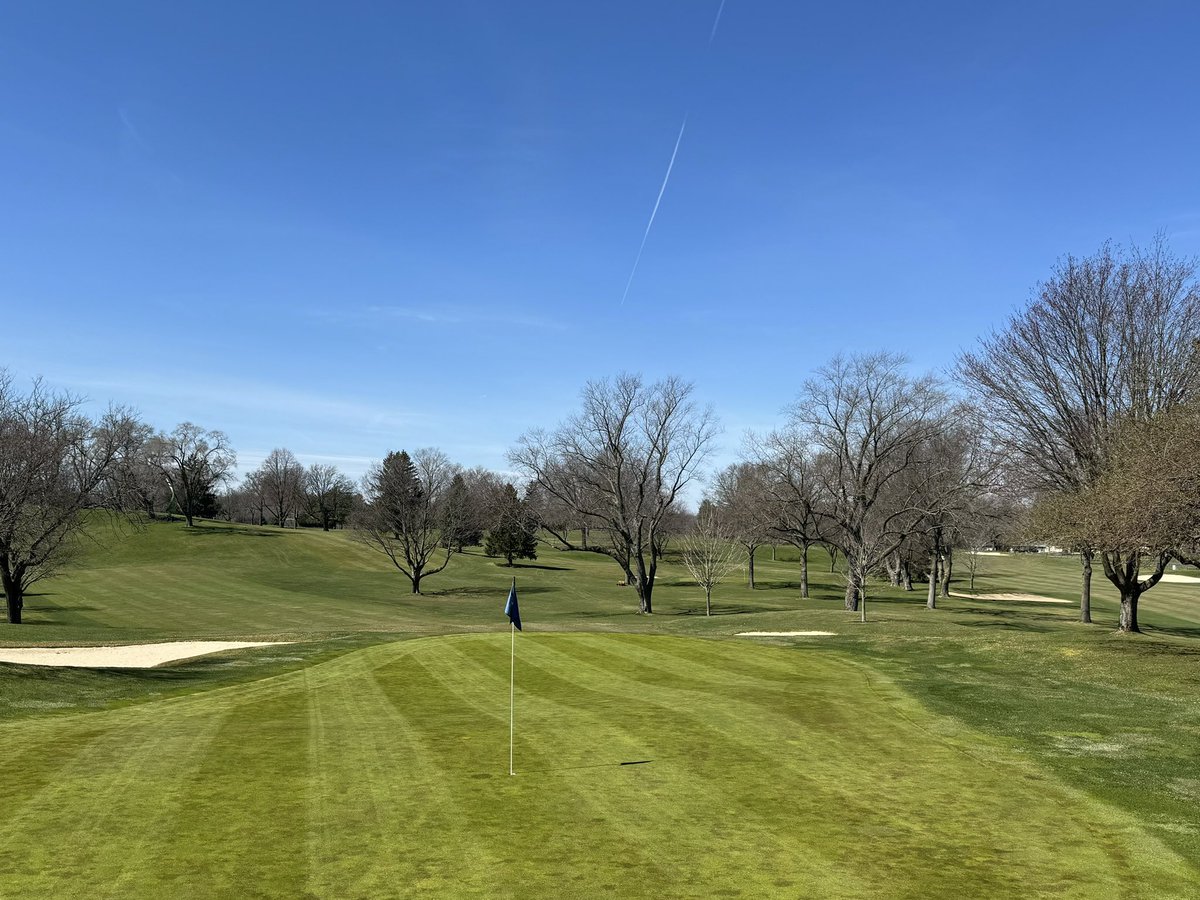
[
  {"x": 131, "y": 656},
  {"x": 786, "y": 633},
  {"x": 1180, "y": 579},
  {"x": 1019, "y": 598}
]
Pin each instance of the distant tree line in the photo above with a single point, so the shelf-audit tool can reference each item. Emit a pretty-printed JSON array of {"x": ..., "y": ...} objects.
[{"x": 1077, "y": 421}]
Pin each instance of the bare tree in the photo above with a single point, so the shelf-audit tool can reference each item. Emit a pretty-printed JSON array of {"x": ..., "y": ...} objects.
[
  {"x": 329, "y": 495},
  {"x": 866, "y": 420},
  {"x": 620, "y": 465},
  {"x": 194, "y": 463},
  {"x": 791, "y": 487},
  {"x": 1108, "y": 338},
  {"x": 403, "y": 515},
  {"x": 1142, "y": 509},
  {"x": 282, "y": 480},
  {"x": 747, "y": 513},
  {"x": 709, "y": 555},
  {"x": 55, "y": 463}
]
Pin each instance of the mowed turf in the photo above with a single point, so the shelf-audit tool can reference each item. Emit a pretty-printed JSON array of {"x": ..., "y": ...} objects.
[
  {"x": 756, "y": 772},
  {"x": 983, "y": 749}
]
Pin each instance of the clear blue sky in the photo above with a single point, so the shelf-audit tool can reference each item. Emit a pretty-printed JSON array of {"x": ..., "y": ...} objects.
[{"x": 347, "y": 228}]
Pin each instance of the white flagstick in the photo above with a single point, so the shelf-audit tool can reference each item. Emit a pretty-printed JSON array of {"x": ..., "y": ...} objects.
[{"x": 512, "y": 672}]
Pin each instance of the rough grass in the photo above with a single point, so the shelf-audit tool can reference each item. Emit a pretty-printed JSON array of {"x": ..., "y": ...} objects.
[{"x": 983, "y": 749}]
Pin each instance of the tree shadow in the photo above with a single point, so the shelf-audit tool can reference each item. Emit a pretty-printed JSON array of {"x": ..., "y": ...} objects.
[
  {"x": 238, "y": 531},
  {"x": 518, "y": 565}
]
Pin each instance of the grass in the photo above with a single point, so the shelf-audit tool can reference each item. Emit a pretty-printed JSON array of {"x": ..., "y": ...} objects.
[{"x": 983, "y": 749}]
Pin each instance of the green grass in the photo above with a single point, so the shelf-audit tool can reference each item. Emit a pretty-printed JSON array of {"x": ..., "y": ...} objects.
[
  {"x": 983, "y": 749},
  {"x": 762, "y": 771}
]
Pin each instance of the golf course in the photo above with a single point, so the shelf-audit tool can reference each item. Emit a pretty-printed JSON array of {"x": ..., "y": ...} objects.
[{"x": 986, "y": 748}]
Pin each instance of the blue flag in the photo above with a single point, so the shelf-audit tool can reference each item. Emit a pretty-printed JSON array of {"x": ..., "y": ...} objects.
[{"x": 511, "y": 609}]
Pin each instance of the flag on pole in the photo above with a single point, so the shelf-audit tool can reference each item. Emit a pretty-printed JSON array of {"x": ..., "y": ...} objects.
[{"x": 511, "y": 609}]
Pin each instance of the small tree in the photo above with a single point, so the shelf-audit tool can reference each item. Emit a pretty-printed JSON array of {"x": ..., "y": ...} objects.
[
  {"x": 514, "y": 532},
  {"x": 709, "y": 554}
]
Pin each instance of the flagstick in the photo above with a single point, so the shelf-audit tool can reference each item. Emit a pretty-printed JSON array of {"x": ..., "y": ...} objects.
[{"x": 512, "y": 672}]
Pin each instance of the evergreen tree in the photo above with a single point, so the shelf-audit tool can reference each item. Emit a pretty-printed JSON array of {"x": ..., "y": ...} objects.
[
  {"x": 514, "y": 533},
  {"x": 460, "y": 528}
]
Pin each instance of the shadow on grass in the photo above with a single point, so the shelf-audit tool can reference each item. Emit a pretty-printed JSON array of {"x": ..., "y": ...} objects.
[
  {"x": 606, "y": 765},
  {"x": 238, "y": 531},
  {"x": 1018, "y": 620},
  {"x": 518, "y": 565},
  {"x": 500, "y": 590}
]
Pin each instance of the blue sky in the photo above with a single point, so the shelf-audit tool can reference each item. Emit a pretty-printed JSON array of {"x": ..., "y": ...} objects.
[{"x": 348, "y": 228}]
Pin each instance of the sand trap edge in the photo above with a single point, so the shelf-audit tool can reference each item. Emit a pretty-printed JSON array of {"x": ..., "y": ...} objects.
[
  {"x": 786, "y": 634},
  {"x": 124, "y": 656}
]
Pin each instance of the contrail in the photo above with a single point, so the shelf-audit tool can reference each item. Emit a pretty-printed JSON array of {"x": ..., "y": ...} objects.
[
  {"x": 716, "y": 22},
  {"x": 654, "y": 212}
]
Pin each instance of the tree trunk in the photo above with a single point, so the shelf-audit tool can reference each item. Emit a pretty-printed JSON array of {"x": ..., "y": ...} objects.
[
  {"x": 931, "y": 602},
  {"x": 14, "y": 596},
  {"x": 1085, "y": 594},
  {"x": 852, "y": 594},
  {"x": 750, "y": 565},
  {"x": 947, "y": 571},
  {"x": 906, "y": 576},
  {"x": 708, "y": 601},
  {"x": 804, "y": 571},
  {"x": 772, "y": 553},
  {"x": 893, "y": 570},
  {"x": 833, "y": 555},
  {"x": 1129, "y": 605},
  {"x": 645, "y": 588}
]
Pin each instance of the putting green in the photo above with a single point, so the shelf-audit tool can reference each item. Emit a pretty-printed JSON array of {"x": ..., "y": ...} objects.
[{"x": 762, "y": 771}]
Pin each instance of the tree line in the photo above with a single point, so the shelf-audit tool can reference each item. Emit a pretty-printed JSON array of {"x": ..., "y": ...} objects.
[{"x": 1074, "y": 421}]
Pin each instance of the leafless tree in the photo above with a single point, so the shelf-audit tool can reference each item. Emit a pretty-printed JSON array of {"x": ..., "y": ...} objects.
[
  {"x": 403, "y": 516},
  {"x": 709, "y": 555},
  {"x": 329, "y": 495},
  {"x": 55, "y": 463},
  {"x": 1108, "y": 338},
  {"x": 791, "y": 487},
  {"x": 620, "y": 464},
  {"x": 194, "y": 462},
  {"x": 1141, "y": 510},
  {"x": 282, "y": 479},
  {"x": 747, "y": 512},
  {"x": 866, "y": 420}
]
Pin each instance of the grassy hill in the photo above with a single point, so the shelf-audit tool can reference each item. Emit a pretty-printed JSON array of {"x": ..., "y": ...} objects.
[{"x": 986, "y": 748}]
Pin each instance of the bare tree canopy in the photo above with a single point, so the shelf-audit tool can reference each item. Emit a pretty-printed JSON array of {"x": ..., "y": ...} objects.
[
  {"x": 194, "y": 462},
  {"x": 865, "y": 420},
  {"x": 55, "y": 463},
  {"x": 403, "y": 516},
  {"x": 1109, "y": 339},
  {"x": 281, "y": 480},
  {"x": 329, "y": 495},
  {"x": 709, "y": 554},
  {"x": 1141, "y": 510},
  {"x": 620, "y": 464},
  {"x": 791, "y": 485},
  {"x": 742, "y": 495}
]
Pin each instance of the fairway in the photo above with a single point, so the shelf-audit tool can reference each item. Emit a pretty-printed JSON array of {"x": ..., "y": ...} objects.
[{"x": 760, "y": 772}]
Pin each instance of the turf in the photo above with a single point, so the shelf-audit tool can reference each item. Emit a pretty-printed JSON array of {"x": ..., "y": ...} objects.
[
  {"x": 386, "y": 768},
  {"x": 983, "y": 749}
]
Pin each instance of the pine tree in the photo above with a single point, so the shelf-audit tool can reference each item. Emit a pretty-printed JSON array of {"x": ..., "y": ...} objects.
[{"x": 514, "y": 534}]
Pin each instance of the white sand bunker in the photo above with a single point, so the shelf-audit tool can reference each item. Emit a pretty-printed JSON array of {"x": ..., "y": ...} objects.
[
  {"x": 1172, "y": 578},
  {"x": 786, "y": 634},
  {"x": 130, "y": 656},
  {"x": 1019, "y": 598}
]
